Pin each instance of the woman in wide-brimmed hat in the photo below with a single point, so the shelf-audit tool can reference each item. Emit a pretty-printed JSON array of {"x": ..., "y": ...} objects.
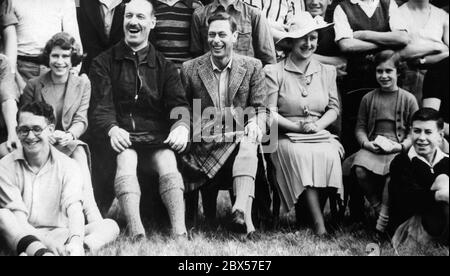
[{"x": 304, "y": 91}]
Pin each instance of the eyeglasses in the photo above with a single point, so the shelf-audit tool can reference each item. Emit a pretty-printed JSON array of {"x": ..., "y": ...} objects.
[{"x": 24, "y": 131}]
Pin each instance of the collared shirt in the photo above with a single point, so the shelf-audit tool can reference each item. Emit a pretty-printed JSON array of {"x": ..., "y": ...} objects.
[
  {"x": 44, "y": 195},
  {"x": 278, "y": 11},
  {"x": 344, "y": 30},
  {"x": 107, "y": 8},
  {"x": 39, "y": 20},
  {"x": 412, "y": 153},
  {"x": 222, "y": 79},
  {"x": 254, "y": 36}
]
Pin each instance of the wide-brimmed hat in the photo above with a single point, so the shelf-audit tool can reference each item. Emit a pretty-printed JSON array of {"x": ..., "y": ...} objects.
[{"x": 301, "y": 25}]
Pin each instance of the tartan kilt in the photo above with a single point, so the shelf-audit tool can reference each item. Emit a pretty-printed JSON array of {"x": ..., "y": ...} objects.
[{"x": 203, "y": 162}]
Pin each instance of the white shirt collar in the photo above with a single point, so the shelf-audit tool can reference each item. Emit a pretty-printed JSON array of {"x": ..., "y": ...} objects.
[
  {"x": 439, "y": 156},
  {"x": 365, "y": 2},
  {"x": 215, "y": 68},
  {"x": 110, "y": 4}
]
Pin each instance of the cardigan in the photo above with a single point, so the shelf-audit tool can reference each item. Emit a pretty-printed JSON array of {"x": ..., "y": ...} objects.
[{"x": 366, "y": 122}]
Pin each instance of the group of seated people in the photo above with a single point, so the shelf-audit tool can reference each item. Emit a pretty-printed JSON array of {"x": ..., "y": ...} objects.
[{"x": 194, "y": 94}]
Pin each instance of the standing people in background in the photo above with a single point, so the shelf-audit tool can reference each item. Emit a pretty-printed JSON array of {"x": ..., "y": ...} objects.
[
  {"x": 172, "y": 33},
  {"x": 278, "y": 13},
  {"x": 308, "y": 159},
  {"x": 254, "y": 36},
  {"x": 418, "y": 189},
  {"x": 42, "y": 190},
  {"x": 101, "y": 27},
  {"x": 7, "y": 25},
  {"x": 436, "y": 92},
  {"x": 8, "y": 108},
  {"x": 37, "y": 22},
  {"x": 8, "y": 44},
  {"x": 328, "y": 51},
  {"x": 363, "y": 27},
  {"x": 428, "y": 28},
  {"x": 382, "y": 131},
  {"x": 139, "y": 89}
]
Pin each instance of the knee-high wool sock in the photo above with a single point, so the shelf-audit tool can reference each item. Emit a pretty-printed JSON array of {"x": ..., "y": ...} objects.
[
  {"x": 171, "y": 189},
  {"x": 129, "y": 195},
  {"x": 32, "y": 246},
  {"x": 244, "y": 187}
]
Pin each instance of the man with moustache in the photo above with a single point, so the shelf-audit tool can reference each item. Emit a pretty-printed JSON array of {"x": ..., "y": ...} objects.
[
  {"x": 419, "y": 186},
  {"x": 226, "y": 82},
  {"x": 138, "y": 90}
]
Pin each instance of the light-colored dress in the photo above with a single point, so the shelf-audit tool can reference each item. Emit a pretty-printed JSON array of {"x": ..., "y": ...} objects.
[{"x": 304, "y": 97}]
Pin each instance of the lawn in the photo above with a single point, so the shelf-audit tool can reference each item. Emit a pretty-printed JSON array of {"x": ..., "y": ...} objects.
[{"x": 286, "y": 240}]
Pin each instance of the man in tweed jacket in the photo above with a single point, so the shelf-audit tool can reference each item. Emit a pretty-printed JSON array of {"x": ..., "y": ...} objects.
[{"x": 226, "y": 84}]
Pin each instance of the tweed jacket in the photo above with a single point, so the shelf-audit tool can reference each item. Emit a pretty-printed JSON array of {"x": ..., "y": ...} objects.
[
  {"x": 76, "y": 101},
  {"x": 246, "y": 89}
]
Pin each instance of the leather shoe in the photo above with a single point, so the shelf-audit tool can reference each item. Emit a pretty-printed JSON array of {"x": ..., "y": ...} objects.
[{"x": 238, "y": 222}]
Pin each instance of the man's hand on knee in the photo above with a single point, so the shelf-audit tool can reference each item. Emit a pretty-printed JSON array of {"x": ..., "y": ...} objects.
[
  {"x": 178, "y": 139},
  {"x": 441, "y": 186},
  {"x": 253, "y": 132},
  {"x": 120, "y": 139}
]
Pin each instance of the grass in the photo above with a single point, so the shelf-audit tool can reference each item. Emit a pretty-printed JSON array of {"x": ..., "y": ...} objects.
[{"x": 287, "y": 240}]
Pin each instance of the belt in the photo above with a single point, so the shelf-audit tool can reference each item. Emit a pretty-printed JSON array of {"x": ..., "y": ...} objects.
[{"x": 33, "y": 59}]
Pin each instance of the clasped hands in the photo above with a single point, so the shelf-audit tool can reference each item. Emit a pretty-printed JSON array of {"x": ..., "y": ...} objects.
[
  {"x": 308, "y": 127},
  {"x": 61, "y": 138}
]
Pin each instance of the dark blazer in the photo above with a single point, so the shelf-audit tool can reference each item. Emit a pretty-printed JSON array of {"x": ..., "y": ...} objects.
[
  {"x": 76, "y": 101},
  {"x": 92, "y": 30}
]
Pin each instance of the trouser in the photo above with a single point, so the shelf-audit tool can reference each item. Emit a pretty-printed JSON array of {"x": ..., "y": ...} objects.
[
  {"x": 412, "y": 81},
  {"x": 29, "y": 70}
]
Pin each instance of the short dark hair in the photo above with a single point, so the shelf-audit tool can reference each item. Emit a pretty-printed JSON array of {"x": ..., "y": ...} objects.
[
  {"x": 152, "y": 3},
  {"x": 223, "y": 16},
  {"x": 66, "y": 42},
  {"x": 386, "y": 55},
  {"x": 39, "y": 109},
  {"x": 428, "y": 114}
]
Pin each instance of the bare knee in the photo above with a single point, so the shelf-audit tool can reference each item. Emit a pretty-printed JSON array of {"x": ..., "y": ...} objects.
[
  {"x": 164, "y": 162},
  {"x": 3, "y": 150},
  {"x": 112, "y": 226},
  {"x": 360, "y": 172},
  {"x": 127, "y": 162}
]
